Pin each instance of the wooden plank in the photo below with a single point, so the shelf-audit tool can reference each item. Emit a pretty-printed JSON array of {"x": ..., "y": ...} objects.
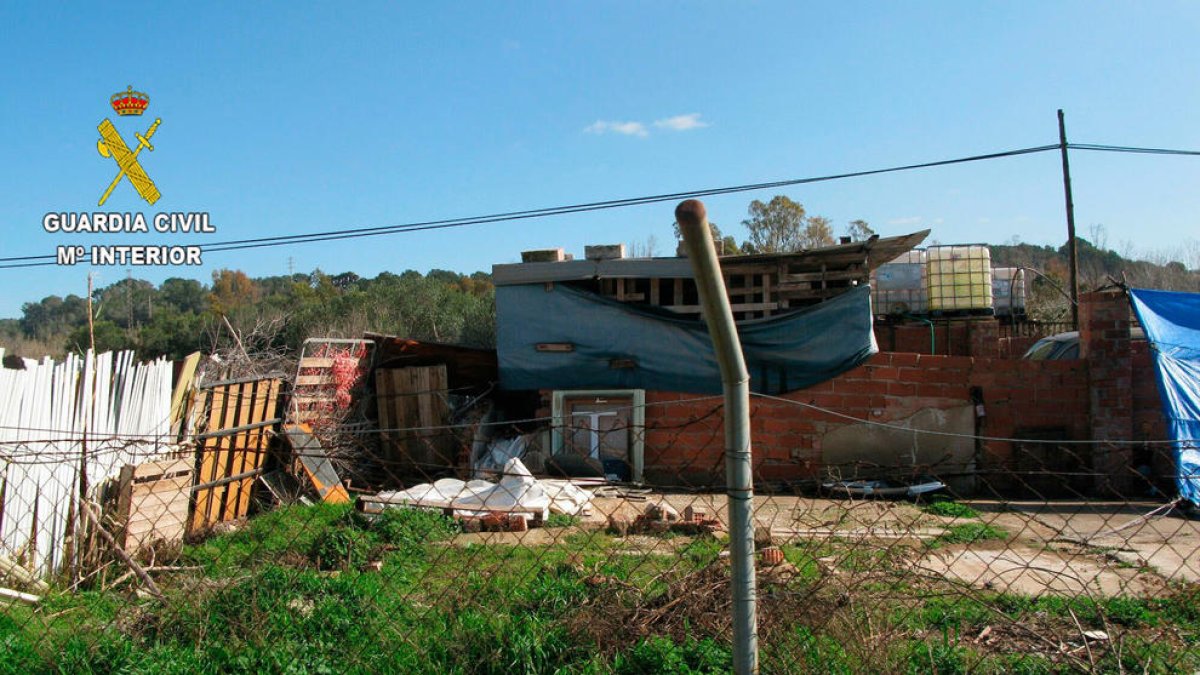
[
  {"x": 316, "y": 362},
  {"x": 237, "y": 451},
  {"x": 232, "y": 402},
  {"x": 813, "y": 277},
  {"x": 240, "y": 491},
  {"x": 260, "y": 442},
  {"x": 316, "y": 464},
  {"x": 383, "y": 403},
  {"x": 183, "y": 388},
  {"x": 207, "y": 457},
  {"x": 654, "y": 291},
  {"x": 165, "y": 485},
  {"x": 741, "y": 307},
  {"x": 309, "y": 399},
  {"x": 308, "y": 380},
  {"x": 162, "y": 469}
]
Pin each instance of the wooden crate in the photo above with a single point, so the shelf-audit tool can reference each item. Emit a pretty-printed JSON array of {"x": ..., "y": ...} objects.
[{"x": 153, "y": 501}]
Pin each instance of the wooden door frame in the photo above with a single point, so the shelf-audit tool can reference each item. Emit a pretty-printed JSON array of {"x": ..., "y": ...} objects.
[{"x": 637, "y": 444}]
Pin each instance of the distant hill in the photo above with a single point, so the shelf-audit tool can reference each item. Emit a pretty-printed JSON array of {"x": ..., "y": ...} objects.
[{"x": 1096, "y": 265}]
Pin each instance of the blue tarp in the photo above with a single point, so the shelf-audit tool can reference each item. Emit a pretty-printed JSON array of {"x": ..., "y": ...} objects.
[
  {"x": 1172, "y": 324},
  {"x": 615, "y": 345}
]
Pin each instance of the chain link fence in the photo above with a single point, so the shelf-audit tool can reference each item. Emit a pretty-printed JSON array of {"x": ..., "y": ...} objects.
[{"x": 583, "y": 542}]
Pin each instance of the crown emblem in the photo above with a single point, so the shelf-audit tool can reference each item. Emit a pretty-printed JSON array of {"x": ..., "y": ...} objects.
[{"x": 130, "y": 102}]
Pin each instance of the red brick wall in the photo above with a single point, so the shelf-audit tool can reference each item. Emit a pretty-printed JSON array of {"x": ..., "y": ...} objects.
[
  {"x": 685, "y": 440},
  {"x": 1104, "y": 343},
  {"x": 948, "y": 337},
  {"x": 1148, "y": 420}
]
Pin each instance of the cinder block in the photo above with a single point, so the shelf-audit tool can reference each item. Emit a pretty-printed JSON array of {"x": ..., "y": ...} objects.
[
  {"x": 604, "y": 252},
  {"x": 543, "y": 255}
]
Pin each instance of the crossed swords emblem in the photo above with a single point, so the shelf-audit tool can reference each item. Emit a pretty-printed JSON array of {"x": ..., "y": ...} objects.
[{"x": 112, "y": 145}]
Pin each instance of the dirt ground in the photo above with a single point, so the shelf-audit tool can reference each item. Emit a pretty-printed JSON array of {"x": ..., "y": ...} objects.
[{"x": 1061, "y": 548}]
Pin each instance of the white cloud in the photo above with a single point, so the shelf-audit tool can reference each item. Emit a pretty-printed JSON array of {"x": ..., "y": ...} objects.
[
  {"x": 681, "y": 122},
  {"x": 624, "y": 128}
]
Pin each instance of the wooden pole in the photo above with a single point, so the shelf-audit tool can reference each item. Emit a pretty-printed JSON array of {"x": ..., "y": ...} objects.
[
  {"x": 91, "y": 322},
  {"x": 1072, "y": 248}
]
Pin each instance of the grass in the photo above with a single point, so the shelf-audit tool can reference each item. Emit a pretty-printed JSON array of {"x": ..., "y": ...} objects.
[
  {"x": 969, "y": 533},
  {"x": 950, "y": 509},
  {"x": 561, "y": 520},
  {"x": 287, "y": 594}
]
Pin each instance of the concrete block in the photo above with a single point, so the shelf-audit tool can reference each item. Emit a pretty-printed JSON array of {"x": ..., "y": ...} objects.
[
  {"x": 604, "y": 252},
  {"x": 543, "y": 255}
]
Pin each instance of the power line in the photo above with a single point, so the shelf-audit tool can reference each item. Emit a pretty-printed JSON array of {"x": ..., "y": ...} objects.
[
  {"x": 352, "y": 233},
  {"x": 1132, "y": 149}
]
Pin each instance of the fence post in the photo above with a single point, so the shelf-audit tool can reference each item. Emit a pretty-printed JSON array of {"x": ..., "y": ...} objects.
[{"x": 714, "y": 298}]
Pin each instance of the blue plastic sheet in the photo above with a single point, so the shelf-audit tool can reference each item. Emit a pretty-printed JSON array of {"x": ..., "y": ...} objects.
[
  {"x": 614, "y": 345},
  {"x": 1172, "y": 324}
]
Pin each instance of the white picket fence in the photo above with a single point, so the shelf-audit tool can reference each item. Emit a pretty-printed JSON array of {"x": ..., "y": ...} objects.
[{"x": 94, "y": 411}]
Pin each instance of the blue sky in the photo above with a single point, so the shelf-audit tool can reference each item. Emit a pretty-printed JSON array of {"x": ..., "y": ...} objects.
[{"x": 293, "y": 117}]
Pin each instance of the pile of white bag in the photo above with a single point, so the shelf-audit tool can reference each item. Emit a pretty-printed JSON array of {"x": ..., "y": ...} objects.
[{"x": 517, "y": 492}]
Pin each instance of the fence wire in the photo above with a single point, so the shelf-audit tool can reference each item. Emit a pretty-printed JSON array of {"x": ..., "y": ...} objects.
[{"x": 1032, "y": 565}]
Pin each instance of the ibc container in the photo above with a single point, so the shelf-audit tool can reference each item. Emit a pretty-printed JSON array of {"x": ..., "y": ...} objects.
[
  {"x": 1008, "y": 290},
  {"x": 959, "y": 279},
  {"x": 898, "y": 287}
]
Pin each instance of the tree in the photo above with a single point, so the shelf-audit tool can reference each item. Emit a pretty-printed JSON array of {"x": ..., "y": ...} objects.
[
  {"x": 818, "y": 231},
  {"x": 726, "y": 244},
  {"x": 858, "y": 230},
  {"x": 782, "y": 226},
  {"x": 231, "y": 289},
  {"x": 183, "y": 295}
]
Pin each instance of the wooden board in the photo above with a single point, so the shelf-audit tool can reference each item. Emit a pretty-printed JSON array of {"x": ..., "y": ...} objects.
[
  {"x": 316, "y": 465},
  {"x": 414, "y": 414},
  {"x": 153, "y": 502}
]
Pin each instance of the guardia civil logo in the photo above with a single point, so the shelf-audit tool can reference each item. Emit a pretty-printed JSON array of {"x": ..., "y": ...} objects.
[{"x": 111, "y": 144}]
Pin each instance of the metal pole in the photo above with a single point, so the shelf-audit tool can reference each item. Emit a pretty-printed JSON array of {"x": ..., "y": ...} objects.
[
  {"x": 693, "y": 224},
  {"x": 1072, "y": 249}
]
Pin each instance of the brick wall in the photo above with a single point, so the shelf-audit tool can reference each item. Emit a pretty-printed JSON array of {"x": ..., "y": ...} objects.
[
  {"x": 1104, "y": 344},
  {"x": 1109, "y": 394},
  {"x": 684, "y": 441}
]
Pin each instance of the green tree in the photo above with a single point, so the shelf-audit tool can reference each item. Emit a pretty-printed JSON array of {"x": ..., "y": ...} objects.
[
  {"x": 726, "y": 244},
  {"x": 183, "y": 295},
  {"x": 859, "y": 230},
  {"x": 109, "y": 337},
  {"x": 782, "y": 226}
]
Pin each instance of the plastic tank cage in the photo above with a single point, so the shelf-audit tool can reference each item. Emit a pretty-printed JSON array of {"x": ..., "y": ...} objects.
[{"x": 959, "y": 280}]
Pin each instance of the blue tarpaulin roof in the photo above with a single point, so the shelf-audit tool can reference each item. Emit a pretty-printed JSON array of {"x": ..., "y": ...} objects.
[
  {"x": 1172, "y": 324},
  {"x": 614, "y": 345}
]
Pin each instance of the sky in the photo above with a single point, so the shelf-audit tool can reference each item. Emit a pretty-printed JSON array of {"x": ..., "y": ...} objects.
[{"x": 286, "y": 118}]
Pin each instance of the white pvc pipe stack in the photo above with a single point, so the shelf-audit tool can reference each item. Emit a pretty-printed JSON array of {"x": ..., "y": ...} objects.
[{"x": 46, "y": 411}]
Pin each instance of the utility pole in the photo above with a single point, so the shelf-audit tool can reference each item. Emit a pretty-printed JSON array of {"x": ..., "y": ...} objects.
[
  {"x": 1072, "y": 248},
  {"x": 714, "y": 298}
]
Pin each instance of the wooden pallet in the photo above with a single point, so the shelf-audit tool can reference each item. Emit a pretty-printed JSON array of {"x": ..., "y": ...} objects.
[{"x": 153, "y": 500}]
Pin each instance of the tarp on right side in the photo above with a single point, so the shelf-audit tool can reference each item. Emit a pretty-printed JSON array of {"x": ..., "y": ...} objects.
[{"x": 1172, "y": 324}]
